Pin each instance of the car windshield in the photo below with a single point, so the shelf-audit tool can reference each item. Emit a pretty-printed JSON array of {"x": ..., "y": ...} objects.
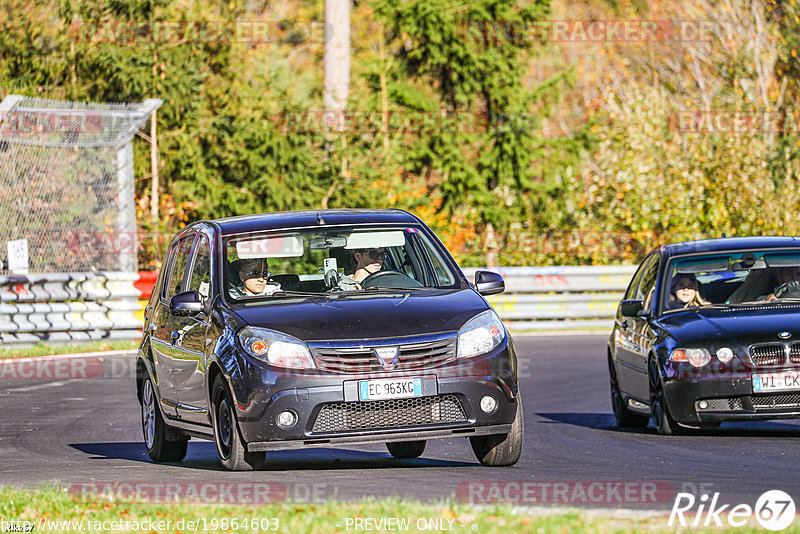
[
  {"x": 328, "y": 260},
  {"x": 756, "y": 276}
]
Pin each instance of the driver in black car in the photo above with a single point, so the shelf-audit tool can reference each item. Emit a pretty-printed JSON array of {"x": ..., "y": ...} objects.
[
  {"x": 368, "y": 261},
  {"x": 787, "y": 283}
]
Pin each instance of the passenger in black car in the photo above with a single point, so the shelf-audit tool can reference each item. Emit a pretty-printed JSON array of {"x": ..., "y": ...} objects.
[{"x": 685, "y": 292}]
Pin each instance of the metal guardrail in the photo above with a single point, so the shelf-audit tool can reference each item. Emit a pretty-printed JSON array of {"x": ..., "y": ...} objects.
[
  {"x": 559, "y": 298},
  {"x": 63, "y": 307}
]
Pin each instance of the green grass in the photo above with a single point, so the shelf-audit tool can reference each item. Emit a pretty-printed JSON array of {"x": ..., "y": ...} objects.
[
  {"x": 55, "y": 503},
  {"x": 42, "y": 349}
]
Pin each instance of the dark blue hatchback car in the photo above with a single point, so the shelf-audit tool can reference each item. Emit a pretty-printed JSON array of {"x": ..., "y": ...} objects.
[{"x": 323, "y": 328}]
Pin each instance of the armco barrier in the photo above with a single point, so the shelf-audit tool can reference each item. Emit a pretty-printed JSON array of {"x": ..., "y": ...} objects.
[
  {"x": 62, "y": 307},
  {"x": 558, "y": 298},
  {"x": 86, "y": 306}
]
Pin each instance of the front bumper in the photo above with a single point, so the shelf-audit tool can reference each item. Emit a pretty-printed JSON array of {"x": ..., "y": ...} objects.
[
  {"x": 728, "y": 398},
  {"x": 378, "y": 437},
  {"x": 329, "y": 412}
]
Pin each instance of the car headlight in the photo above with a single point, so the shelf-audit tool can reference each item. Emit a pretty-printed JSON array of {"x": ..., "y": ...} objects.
[
  {"x": 697, "y": 357},
  {"x": 480, "y": 334},
  {"x": 276, "y": 348}
]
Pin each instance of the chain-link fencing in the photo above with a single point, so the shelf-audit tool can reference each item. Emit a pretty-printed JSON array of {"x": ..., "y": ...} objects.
[{"x": 67, "y": 182}]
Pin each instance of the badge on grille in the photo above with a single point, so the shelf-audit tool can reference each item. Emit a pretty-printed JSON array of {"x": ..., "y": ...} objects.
[
  {"x": 784, "y": 335},
  {"x": 387, "y": 356}
]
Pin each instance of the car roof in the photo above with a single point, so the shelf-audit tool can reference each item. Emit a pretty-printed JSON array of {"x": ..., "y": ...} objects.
[
  {"x": 310, "y": 218},
  {"x": 730, "y": 244}
]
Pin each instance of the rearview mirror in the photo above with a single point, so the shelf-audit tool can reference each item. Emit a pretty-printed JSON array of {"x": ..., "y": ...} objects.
[
  {"x": 186, "y": 303},
  {"x": 631, "y": 307},
  {"x": 489, "y": 283}
]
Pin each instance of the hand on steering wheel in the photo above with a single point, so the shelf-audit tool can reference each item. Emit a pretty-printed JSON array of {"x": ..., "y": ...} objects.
[
  {"x": 390, "y": 279},
  {"x": 789, "y": 289}
]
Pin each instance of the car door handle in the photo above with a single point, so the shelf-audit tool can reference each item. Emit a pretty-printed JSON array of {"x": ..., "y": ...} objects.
[{"x": 175, "y": 337}]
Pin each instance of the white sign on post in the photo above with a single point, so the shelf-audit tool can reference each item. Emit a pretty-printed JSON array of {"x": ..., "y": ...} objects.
[{"x": 18, "y": 256}]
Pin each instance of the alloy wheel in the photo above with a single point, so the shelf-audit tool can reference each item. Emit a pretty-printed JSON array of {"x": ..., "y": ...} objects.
[
  {"x": 224, "y": 427},
  {"x": 148, "y": 414}
]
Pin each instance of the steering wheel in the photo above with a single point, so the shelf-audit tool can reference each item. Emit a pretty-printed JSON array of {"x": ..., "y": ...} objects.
[
  {"x": 787, "y": 290},
  {"x": 389, "y": 278}
]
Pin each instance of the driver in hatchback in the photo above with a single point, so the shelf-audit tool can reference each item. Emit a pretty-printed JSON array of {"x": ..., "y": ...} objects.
[{"x": 368, "y": 261}]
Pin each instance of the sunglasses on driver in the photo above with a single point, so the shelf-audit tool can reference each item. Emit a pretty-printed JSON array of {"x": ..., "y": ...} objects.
[{"x": 375, "y": 253}]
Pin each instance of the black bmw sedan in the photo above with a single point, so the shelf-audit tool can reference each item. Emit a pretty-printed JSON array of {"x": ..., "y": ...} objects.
[
  {"x": 709, "y": 331},
  {"x": 323, "y": 328}
]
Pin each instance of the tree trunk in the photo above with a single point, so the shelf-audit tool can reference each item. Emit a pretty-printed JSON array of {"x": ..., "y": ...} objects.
[
  {"x": 337, "y": 54},
  {"x": 336, "y": 64},
  {"x": 491, "y": 246}
]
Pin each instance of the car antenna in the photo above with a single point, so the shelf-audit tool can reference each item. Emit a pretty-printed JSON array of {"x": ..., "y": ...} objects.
[{"x": 319, "y": 217}]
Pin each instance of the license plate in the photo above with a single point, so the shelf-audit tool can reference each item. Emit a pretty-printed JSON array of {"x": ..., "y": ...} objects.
[
  {"x": 786, "y": 381},
  {"x": 390, "y": 388}
]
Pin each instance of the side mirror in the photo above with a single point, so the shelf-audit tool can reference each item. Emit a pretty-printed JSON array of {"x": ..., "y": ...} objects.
[
  {"x": 186, "y": 303},
  {"x": 631, "y": 307},
  {"x": 489, "y": 283}
]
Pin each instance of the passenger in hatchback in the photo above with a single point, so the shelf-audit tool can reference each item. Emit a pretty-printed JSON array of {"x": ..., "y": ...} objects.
[
  {"x": 685, "y": 292},
  {"x": 254, "y": 278}
]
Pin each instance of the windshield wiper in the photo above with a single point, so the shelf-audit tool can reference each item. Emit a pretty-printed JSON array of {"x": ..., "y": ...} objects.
[
  {"x": 391, "y": 289},
  {"x": 290, "y": 293},
  {"x": 785, "y": 300}
]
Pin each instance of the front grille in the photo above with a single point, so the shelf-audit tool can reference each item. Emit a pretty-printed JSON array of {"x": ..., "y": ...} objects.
[
  {"x": 342, "y": 416},
  {"x": 794, "y": 353},
  {"x": 360, "y": 360},
  {"x": 723, "y": 405},
  {"x": 768, "y": 354},
  {"x": 768, "y": 402}
]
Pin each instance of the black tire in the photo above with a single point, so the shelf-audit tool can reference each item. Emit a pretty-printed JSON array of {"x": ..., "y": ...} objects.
[
  {"x": 623, "y": 416},
  {"x": 662, "y": 419},
  {"x": 501, "y": 450},
  {"x": 231, "y": 447},
  {"x": 156, "y": 432},
  {"x": 407, "y": 449}
]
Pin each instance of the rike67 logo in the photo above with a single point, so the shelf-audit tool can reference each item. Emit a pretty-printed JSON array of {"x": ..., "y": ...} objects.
[{"x": 774, "y": 510}]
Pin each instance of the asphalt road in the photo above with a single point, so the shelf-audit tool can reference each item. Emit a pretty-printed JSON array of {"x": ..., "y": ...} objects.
[{"x": 88, "y": 432}]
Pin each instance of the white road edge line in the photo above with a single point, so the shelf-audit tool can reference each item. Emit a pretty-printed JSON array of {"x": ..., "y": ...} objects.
[
  {"x": 38, "y": 386},
  {"x": 131, "y": 352}
]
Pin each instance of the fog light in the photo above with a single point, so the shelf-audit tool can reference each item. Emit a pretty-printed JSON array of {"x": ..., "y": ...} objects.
[
  {"x": 286, "y": 419},
  {"x": 724, "y": 354},
  {"x": 488, "y": 404},
  {"x": 702, "y": 404}
]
